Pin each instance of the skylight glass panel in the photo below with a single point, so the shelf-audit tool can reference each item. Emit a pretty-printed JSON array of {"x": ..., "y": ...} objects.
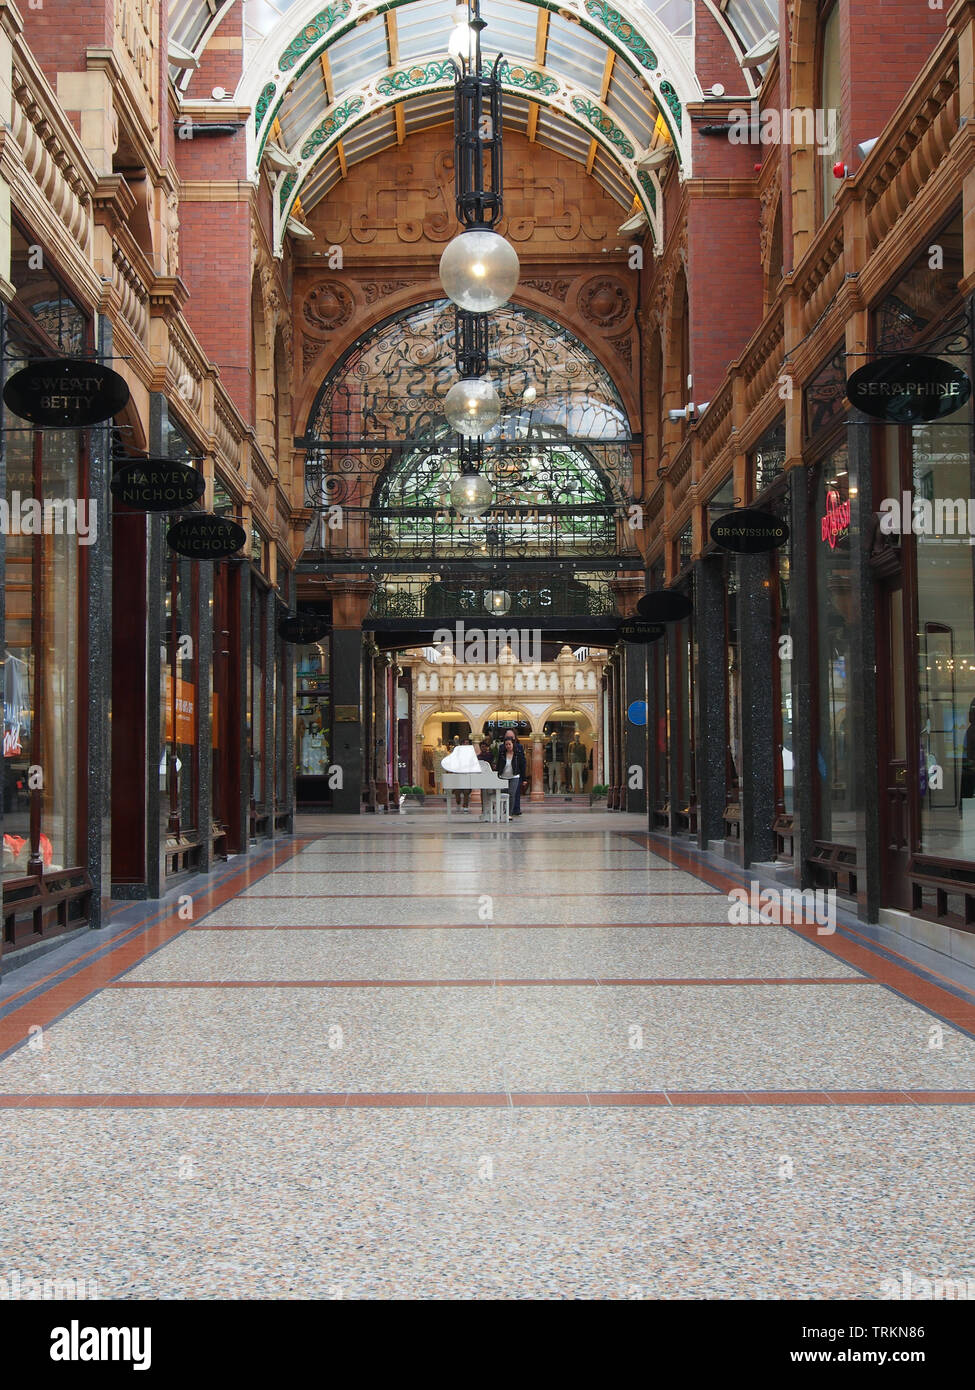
[
  {"x": 515, "y": 112},
  {"x": 609, "y": 175},
  {"x": 629, "y": 109},
  {"x": 304, "y": 105},
  {"x": 359, "y": 55},
  {"x": 559, "y": 135},
  {"x": 323, "y": 179},
  {"x": 751, "y": 20},
  {"x": 574, "y": 53},
  {"x": 423, "y": 29},
  {"x": 421, "y": 112},
  {"x": 676, "y": 15},
  {"x": 511, "y": 30},
  {"x": 372, "y": 135}
]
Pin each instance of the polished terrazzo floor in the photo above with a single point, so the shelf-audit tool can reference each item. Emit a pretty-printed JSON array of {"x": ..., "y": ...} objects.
[{"x": 381, "y": 1060}]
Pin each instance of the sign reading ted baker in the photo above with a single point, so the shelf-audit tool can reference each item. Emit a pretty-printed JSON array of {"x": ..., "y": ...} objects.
[
  {"x": 908, "y": 388},
  {"x": 65, "y": 392},
  {"x": 157, "y": 485},
  {"x": 204, "y": 536},
  {"x": 639, "y": 630}
]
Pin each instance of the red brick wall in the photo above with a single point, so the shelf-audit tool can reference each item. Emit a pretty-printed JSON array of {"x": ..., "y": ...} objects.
[
  {"x": 724, "y": 280},
  {"x": 883, "y": 49},
  {"x": 216, "y": 266},
  {"x": 61, "y": 31}
]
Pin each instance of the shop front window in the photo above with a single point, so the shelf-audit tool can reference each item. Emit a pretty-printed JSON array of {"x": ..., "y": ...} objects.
[
  {"x": 179, "y": 697},
  {"x": 942, "y": 486},
  {"x": 313, "y": 720},
  {"x": 41, "y": 736},
  {"x": 840, "y": 799}
]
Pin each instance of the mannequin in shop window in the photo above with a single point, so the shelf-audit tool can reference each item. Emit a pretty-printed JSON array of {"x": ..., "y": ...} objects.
[
  {"x": 314, "y": 750},
  {"x": 968, "y": 758}
]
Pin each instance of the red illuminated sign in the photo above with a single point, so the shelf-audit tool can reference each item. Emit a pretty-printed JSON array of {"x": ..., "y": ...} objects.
[{"x": 836, "y": 522}]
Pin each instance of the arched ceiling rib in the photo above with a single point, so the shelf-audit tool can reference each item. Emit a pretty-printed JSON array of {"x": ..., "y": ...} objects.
[{"x": 334, "y": 84}]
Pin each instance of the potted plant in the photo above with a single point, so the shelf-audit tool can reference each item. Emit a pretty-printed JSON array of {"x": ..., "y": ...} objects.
[
  {"x": 598, "y": 792},
  {"x": 409, "y": 794}
]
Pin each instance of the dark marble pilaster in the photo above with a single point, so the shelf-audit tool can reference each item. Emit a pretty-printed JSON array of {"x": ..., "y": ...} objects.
[
  {"x": 757, "y": 709},
  {"x": 243, "y": 733},
  {"x": 634, "y": 735},
  {"x": 269, "y": 682},
  {"x": 204, "y": 720},
  {"x": 157, "y": 559},
  {"x": 862, "y": 715},
  {"x": 348, "y": 737},
  {"x": 4, "y": 420},
  {"x": 711, "y": 694},
  {"x": 97, "y": 757},
  {"x": 287, "y": 750},
  {"x": 801, "y": 599},
  {"x": 675, "y": 716}
]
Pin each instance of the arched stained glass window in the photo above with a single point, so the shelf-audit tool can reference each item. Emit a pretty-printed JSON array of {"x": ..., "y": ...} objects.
[{"x": 559, "y": 460}]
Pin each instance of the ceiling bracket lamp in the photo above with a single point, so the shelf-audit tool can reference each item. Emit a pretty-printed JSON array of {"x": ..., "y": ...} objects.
[
  {"x": 472, "y": 405},
  {"x": 478, "y": 269}
]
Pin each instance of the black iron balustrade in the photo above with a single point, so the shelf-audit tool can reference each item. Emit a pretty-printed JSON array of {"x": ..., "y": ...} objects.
[{"x": 424, "y": 596}]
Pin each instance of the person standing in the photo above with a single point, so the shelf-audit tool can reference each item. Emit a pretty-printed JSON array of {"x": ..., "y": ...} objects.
[
  {"x": 511, "y": 766},
  {"x": 556, "y": 757}
]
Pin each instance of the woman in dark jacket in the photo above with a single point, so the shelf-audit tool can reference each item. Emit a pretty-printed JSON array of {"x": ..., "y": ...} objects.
[{"x": 511, "y": 764}]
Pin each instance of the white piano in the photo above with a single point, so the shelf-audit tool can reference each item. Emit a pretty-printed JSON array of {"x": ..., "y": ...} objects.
[{"x": 486, "y": 780}]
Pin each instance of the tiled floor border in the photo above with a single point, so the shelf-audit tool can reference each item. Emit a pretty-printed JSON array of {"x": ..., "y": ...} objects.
[
  {"x": 472, "y": 1099},
  {"x": 481, "y": 983}
]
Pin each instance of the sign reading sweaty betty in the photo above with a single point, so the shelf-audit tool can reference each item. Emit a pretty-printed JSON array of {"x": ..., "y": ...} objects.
[
  {"x": 65, "y": 392},
  {"x": 204, "y": 536},
  {"x": 908, "y": 388}
]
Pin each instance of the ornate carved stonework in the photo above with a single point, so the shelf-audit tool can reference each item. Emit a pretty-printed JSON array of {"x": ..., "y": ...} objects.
[
  {"x": 624, "y": 348},
  {"x": 382, "y": 289},
  {"x": 328, "y": 307},
  {"x": 547, "y": 199},
  {"x": 604, "y": 301},
  {"x": 554, "y": 289},
  {"x": 309, "y": 351},
  {"x": 172, "y": 234},
  {"x": 770, "y": 200}
]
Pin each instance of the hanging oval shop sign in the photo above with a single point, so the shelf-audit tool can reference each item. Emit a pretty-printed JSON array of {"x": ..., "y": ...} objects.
[
  {"x": 204, "y": 536},
  {"x": 664, "y": 606},
  {"x": 66, "y": 392},
  {"x": 749, "y": 532},
  {"x": 157, "y": 485},
  {"x": 303, "y": 627},
  {"x": 639, "y": 630},
  {"x": 908, "y": 388}
]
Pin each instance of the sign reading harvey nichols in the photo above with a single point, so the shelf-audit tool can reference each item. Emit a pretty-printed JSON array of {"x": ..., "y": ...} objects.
[
  {"x": 205, "y": 536},
  {"x": 66, "y": 392}
]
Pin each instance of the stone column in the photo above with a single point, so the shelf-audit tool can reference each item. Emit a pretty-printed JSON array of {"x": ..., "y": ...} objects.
[
  {"x": 351, "y": 596},
  {"x": 712, "y": 698},
  {"x": 758, "y": 748},
  {"x": 538, "y": 772}
]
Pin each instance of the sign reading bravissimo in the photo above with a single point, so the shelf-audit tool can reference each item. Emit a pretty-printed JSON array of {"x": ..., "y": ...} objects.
[
  {"x": 749, "y": 532},
  {"x": 65, "y": 392},
  {"x": 205, "y": 536},
  {"x": 908, "y": 388}
]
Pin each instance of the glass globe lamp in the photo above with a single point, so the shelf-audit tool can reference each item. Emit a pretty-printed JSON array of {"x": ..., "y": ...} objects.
[
  {"x": 471, "y": 494},
  {"x": 472, "y": 406},
  {"x": 497, "y": 601},
  {"x": 479, "y": 270}
]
